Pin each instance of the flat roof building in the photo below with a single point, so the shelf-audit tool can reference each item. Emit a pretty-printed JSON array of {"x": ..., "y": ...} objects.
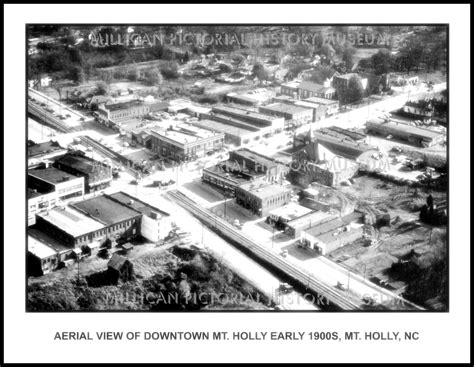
[
  {"x": 252, "y": 118},
  {"x": 96, "y": 175},
  {"x": 251, "y": 98},
  {"x": 40, "y": 153},
  {"x": 185, "y": 142},
  {"x": 261, "y": 196},
  {"x": 298, "y": 115},
  {"x": 62, "y": 183},
  {"x": 412, "y": 134},
  {"x": 237, "y": 135},
  {"x": 331, "y": 235},
  {"x": 288, "y": 212}
]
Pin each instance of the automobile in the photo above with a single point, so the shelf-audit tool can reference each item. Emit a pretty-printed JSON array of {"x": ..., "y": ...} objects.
[
  {"x": 285, "y": 288},
  {"x": 341, "y": 286},
  {"x": 368, "y": 300},
  {"x": 284, "y": 253},
  {"x": 396, "y": 149}
]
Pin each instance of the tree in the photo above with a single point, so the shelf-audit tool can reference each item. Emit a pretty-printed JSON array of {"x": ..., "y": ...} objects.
[
  {"x": 354, "y": 91},
  {"x": 260, "y": 72},
  {"x": 77, "y": 74},
  {"x": 382, "y": 61},
  {"x": 348, "y": 55},
  {"x": 102, "y": 88},
  {"x": 153, "y": 77},
  {"x": 321, "y": 74},
  {"x": 327, "y": 51}
]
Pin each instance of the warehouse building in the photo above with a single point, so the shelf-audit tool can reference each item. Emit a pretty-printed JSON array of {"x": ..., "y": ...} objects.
[
  {"x": 97, "y": 176},
  {"x": 81, "y": 229},
  {"x": 261, "y": 196},
  {"x": 115, "y": 114},
  {"x": 72, "y": 228},
  {"x": 294, "y": 115},
  {"x": 185, "y": 142},
  {"x": 333, "y": 234},
  {"x": 412, "y": 134},
  {"x": 294, "y": 227}
]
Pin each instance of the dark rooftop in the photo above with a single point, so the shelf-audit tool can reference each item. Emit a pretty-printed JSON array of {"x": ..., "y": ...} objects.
[
  {"x": 43, "y": 148},
  {"x": 106, "y": 210},
  {"x": 79, "y": 162},
  {"x": 51, "y": 175},
  {"x": 123, "y": 105},
  {"x": 136, "y": 204}
]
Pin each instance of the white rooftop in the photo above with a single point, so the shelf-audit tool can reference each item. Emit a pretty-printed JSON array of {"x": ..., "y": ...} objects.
[
  {"x": 39, "y": 249},
  {"x": 71, "y": 221}
]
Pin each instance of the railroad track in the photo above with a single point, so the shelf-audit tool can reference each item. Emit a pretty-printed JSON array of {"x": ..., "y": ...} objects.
[
  {"x": 331, "y": 294},
  {"x": 88, "y": 141},
  {"x": 48, "y": 118}
]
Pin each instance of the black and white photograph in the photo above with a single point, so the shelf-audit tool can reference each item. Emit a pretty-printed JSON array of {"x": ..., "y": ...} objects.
[
  {"x": 274, "y": 182},
  {"x": 246, "y": 167}
]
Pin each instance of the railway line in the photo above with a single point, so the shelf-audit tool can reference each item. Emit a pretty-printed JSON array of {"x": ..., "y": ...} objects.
[{"x": 331, "y": 294}]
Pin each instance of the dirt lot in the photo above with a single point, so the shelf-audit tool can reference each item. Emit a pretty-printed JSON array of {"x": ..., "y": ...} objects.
[{"x": 405, "y": 234}]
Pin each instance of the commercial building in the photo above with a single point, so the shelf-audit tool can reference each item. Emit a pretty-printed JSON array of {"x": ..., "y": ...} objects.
[
  {"x": 81, "y": 229},
  {"x": 114, "y": 114},
  {"x": 96, "y": 175},
  {"x": 287, "y": 213},
  {"x": 237, "y": 134},
  {"x": 38, "y": 202},
  {"x": 251, "y": 98},
  {"x": 261, "y": 196},
  {"x": 62, "y": 183},
  {"x": 226, "y": 176},
  {"x": 321, "y": 107},
  {"x": 293, "y": 114},
  {"x": 330, "y": 235},
  {"x": 332, "y": 106},
  {"x": 316, "y": 163},
  {"x": 422, "y": 108},
  {"x": 294, "y": 227},
  {"x": 342, "y": 81},
  {"x": 259, "y": 163},
  {"x": 42, "y": 259},
  {"x": 74, "y": 229},
  {"x": 252, "y": 118},
  {"x": 412, "y": 134},
  {"x": 307, "y": 89},
  {"x": 38, "y": 154},
  {"x": 155, "y": 224},
  {"x": 336, "y": 142},
  {"x": 185, "y": 142}
]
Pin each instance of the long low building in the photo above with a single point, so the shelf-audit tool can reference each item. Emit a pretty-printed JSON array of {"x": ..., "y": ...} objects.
[
  {"x": 185, "y": 142},
  {"x": 237, "y": 135},
  {"x": 412, "y": 134},
  {"x": 328, "y": 236},
  {"x": 253, "y": 118},
  {"x": 84, "y": 227},
  {"x": 293, "y": 114}
]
